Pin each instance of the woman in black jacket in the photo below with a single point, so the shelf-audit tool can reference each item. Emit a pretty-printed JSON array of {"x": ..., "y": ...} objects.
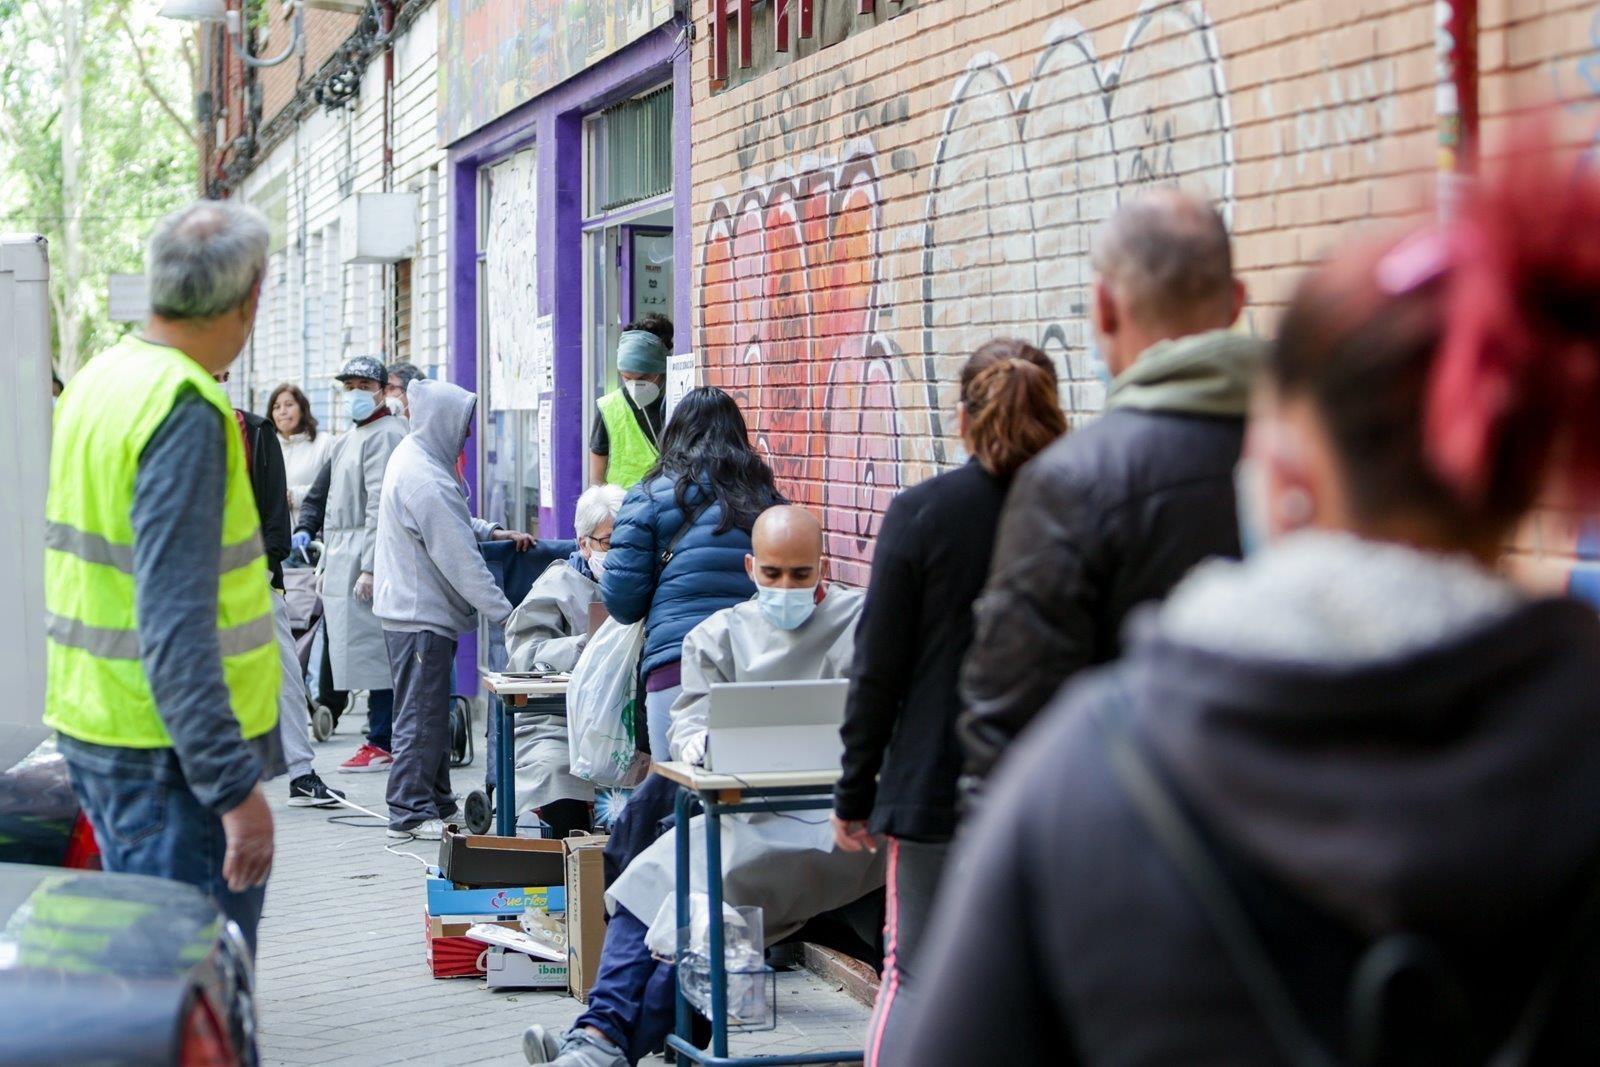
[
  {"x": 901, "y": 756},
  {"x": 1340, "y": 802}
]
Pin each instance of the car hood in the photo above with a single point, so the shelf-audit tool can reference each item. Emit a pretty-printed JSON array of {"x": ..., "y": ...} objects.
[{"x": 90, "y": 922}]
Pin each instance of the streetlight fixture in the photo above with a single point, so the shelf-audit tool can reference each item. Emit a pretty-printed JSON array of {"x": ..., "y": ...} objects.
[{"x": 218, "y": 11}]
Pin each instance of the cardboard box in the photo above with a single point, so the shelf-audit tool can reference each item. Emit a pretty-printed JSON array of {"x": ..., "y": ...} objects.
[
  {"x": 586, "y": 910},
  {"x": 506, "y": 969},
  {"x": 446, "y": 898},
  {"x": 451, "y": 953},
  {"x": 499, "y": 862}
]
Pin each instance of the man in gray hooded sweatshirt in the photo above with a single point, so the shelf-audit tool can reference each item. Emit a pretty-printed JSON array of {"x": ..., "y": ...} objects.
[{"x": 432, "y": 581}]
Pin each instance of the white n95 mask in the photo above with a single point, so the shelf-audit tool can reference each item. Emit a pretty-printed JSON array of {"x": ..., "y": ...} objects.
[
  {"x": 644, "y": 393},
  {"x": 787, "y": 609}
]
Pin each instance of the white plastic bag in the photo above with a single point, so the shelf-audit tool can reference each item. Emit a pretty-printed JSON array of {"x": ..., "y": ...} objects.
[{"x": 602, "y": 705}]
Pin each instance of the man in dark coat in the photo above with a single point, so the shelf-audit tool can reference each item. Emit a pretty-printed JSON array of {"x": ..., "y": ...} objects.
[{"x": 1113, "y": 515}]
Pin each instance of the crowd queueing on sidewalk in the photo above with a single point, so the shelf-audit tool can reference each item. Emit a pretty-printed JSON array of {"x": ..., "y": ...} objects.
[{"x": 1211, "y": 731}]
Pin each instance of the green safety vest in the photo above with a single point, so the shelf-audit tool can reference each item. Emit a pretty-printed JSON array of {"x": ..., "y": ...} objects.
[
  {"x": 98, "y": 691},
  {"x": 632, "y": 453}
]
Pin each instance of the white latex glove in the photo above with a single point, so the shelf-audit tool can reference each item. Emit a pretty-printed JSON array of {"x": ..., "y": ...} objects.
[
  {"x": 363, "y": 587},
  {"x": 694, "y": 750}
]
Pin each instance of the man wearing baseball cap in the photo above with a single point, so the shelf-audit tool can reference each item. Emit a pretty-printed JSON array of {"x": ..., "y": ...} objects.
[{"x": 349, "y": 526}]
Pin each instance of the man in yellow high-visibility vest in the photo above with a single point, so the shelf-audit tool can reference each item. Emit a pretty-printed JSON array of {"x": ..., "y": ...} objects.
[{"x": 163, "y": 662}]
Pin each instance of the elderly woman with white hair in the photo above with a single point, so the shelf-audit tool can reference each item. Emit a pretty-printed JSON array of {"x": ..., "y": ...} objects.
[{"x": 548, "y": 630}]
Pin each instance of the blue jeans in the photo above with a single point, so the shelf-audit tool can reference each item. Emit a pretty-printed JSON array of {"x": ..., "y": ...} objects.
[
  {"x": 159, "y": 828},
  {"x": 380, "y": 718},
  {"x": 634, "y": 999}
]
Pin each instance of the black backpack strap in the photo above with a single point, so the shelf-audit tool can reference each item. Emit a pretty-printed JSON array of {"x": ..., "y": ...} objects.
[
  {"x": 689, "y": 519},
  {"x": 1182, "y": 844}
]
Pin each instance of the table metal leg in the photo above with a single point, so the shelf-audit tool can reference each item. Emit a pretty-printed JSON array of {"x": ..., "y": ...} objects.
[
  {"x": 681, "y": 888},
  {"x": 505, "y": 783},
  {"x": 718, "y": 962}
]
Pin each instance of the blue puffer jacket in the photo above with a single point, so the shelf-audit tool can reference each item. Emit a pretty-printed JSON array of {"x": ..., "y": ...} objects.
[{"x": 706, "y": 573}]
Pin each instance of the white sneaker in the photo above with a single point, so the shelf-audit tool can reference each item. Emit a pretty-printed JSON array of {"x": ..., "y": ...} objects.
[{"x": 432, "y": 830}]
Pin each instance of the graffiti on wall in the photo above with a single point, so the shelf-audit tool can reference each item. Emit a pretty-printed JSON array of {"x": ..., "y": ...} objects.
[
  {"x": 1577, "y": 83},
  {"x": 495, "y": 54},
  {"x": 1025, "y": 168},
  {"x": 1350, "y": 108},
  {"x": 790, "y": 285},
  {"x": 796, "y": 295}
]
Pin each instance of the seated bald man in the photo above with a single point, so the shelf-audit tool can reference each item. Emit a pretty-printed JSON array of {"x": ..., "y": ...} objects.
[{"x": 794, "y": 629}]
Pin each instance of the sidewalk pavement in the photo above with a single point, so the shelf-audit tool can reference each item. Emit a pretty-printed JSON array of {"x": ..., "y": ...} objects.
[{"x": 341, "y": 971}]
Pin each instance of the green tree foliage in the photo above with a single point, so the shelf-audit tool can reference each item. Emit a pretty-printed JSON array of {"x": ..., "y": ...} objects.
[{"x": 96, "y": 143}]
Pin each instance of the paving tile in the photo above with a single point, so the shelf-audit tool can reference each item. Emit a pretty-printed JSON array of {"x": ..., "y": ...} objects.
[{"x": 341, "y": 970}]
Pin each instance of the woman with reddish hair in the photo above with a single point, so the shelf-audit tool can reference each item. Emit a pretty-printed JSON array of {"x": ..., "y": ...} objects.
[{"x": 1340, "y": 802}]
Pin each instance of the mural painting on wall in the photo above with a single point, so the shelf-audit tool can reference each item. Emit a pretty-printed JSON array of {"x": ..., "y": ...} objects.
[
  {"x": 1025, "y": 169},
  {"x": 497, "y": 54},
  {"x": 804, "y": 249},
  {"x": 1577, "y": 85},
  {"x": 797, "y": 311}
]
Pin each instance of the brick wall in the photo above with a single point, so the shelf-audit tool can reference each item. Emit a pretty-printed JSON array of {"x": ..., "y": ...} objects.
[
  {"x": 867, "y": 213},
  {"x": 325, "y": 31}
]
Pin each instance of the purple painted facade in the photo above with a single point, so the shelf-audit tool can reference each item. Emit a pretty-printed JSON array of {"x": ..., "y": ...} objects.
[{"x": 554, "y": 122}]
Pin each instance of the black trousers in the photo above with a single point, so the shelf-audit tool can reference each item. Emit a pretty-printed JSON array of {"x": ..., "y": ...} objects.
[{"x": 419, "y": 781}]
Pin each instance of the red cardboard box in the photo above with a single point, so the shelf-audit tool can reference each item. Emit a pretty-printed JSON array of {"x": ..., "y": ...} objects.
[{"x": 451, "y": 953}]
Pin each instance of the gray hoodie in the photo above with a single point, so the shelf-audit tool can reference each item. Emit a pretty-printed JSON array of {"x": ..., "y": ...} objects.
[{"x": 430, "y": 574}]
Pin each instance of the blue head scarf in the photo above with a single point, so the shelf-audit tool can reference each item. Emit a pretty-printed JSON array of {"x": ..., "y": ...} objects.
[{"x": 641, "y": 352}]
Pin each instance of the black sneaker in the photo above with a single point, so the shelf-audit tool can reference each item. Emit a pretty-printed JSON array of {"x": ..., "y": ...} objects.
[{"x": 309, "y": 791}]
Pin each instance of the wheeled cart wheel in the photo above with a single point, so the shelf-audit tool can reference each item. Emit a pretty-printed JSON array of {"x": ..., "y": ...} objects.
[
  {"x": 479, "y": 813},
  {"x": 460, "y": 731},
  {"x": 322, "y": 722}
]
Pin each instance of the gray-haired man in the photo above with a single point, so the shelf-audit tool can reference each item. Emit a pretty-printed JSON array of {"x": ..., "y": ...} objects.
[
  {"x": 1113, "y": 515},
  {"x": 164, "y": 670}
]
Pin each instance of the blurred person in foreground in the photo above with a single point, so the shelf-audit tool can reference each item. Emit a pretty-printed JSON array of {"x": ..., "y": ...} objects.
[
  {"x": 433, "y": 584},
  {"x": 796, "y": 628},
  {"x": 550, "y": 629},
  {"x": 1117, "y": 513},
  {"x": 163, "y": 664},
  {"x": 1340, "y": 802},
  {"x": 901, "y": 755}
]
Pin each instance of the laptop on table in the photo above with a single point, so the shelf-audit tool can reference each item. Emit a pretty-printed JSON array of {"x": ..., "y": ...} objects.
[{"x": 765, "y": 727}]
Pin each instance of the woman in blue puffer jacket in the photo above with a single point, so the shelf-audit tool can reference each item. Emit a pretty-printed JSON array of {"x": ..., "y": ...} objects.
[{"x": 675, "y": 576}]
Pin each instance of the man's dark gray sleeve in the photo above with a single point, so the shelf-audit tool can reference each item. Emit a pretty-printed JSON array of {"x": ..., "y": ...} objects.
[{"x": 177, "y": 555}]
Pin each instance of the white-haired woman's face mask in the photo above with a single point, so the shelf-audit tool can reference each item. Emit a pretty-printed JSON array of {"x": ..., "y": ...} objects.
[{"x": 594, "y": 546}]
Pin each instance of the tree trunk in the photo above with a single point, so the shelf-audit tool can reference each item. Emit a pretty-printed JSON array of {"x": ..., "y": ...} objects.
[{"x": 69, "y": 307}]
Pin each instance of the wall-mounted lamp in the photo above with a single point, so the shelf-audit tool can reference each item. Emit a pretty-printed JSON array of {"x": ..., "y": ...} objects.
[{"x": 218, "y": 11}]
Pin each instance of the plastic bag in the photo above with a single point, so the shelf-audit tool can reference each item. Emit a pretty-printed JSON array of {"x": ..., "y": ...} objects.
[
  {"x": 743, "y": 952},
  {"x": 602, "y": 700}
]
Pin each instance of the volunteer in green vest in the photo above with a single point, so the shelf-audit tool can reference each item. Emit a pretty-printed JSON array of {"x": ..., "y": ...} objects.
[
  {"x": 627, "y": 434},
  {"x": 163, "y": 664}
]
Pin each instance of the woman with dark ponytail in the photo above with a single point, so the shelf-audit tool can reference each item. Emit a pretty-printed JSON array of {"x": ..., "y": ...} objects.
[
  {"x": 1340, "y": 802},
  {"x": 901, "y": 756}
]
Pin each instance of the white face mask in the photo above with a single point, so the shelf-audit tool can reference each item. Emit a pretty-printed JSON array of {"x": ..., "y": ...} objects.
[
  {"x": 597, "y": 563},
  {"x": 644, "y": 393},
  {"x": 395, "y": 405},
  {"x": 787, "y": 609}
]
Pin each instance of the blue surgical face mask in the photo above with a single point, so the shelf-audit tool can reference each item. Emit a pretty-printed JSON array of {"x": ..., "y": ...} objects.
[
  {"x": 1098, "y": 364},
  {"x": 787, "y": 609},
  {"x": 359, "y": 404}
]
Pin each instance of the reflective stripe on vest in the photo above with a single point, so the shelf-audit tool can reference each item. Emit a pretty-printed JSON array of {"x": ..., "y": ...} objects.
[
  {"x": 632, "y": 454},
  {"x": 98, "y": 691}
]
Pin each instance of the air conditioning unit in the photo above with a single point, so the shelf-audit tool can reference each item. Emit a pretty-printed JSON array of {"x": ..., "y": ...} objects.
[{"x": 378, "y": 227}]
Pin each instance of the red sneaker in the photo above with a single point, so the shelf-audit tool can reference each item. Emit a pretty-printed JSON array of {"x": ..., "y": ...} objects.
[{"x": 368, "y": 758}]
